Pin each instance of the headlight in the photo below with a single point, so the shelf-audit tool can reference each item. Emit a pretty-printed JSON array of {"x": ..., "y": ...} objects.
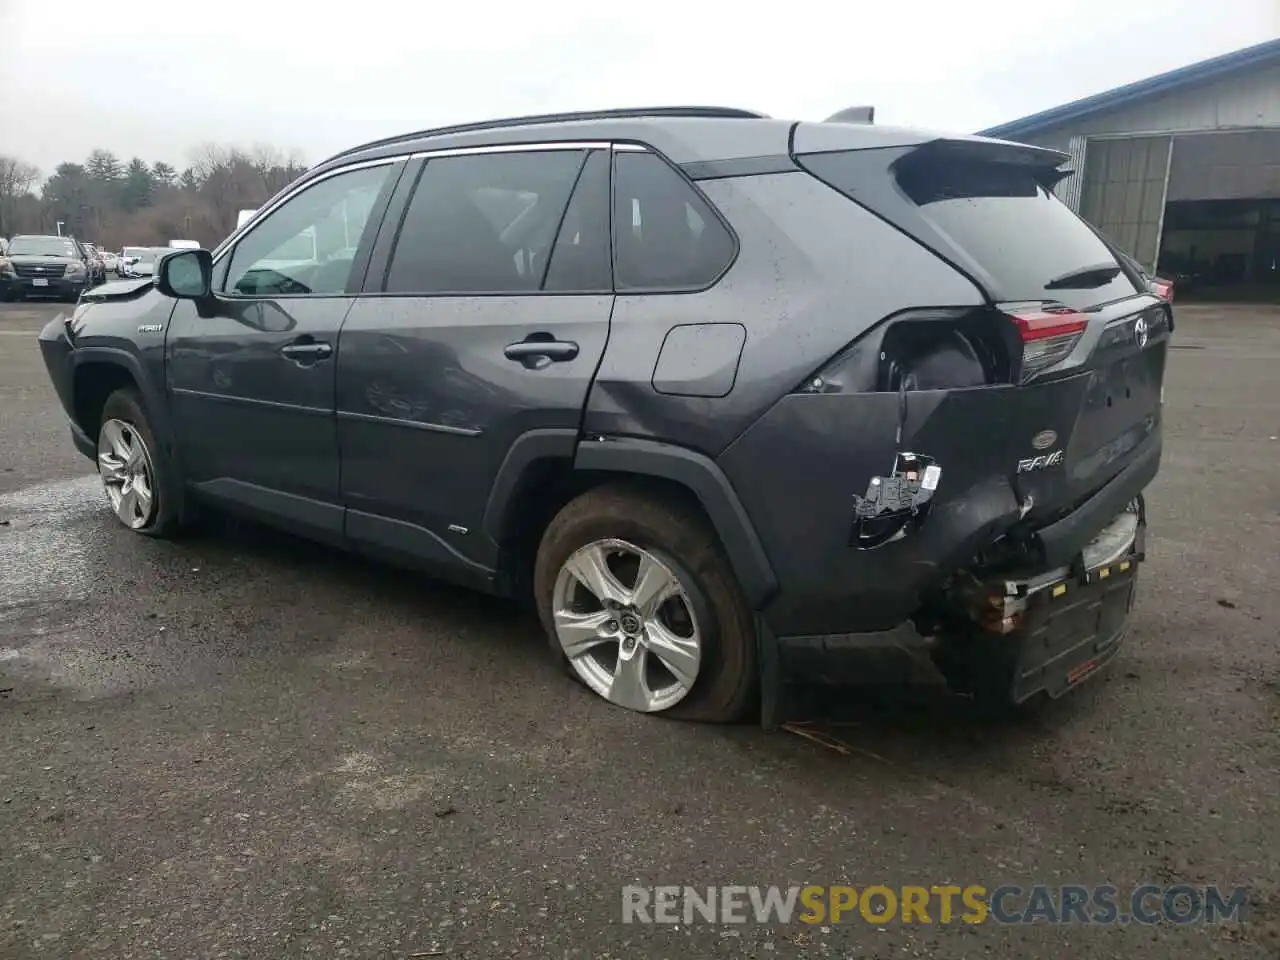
[
  {"x": 6, "y": 268},
  {"x": 75, "y": 270}
]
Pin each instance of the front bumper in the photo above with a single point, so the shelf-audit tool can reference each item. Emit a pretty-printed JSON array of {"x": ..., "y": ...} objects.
[
  {"x": 56, "y": 350},
  {"x": 61, "y": 287}
]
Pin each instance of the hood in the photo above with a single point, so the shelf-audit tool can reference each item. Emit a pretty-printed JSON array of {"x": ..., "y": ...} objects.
[{"x": 118, "y": 290}]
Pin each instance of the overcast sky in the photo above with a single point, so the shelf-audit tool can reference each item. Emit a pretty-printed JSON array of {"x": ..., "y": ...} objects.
[{"x": 156, "y": 79}]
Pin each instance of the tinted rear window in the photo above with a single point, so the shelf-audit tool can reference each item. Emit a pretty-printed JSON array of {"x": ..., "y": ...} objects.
[{"x": 1003, "y": 221}]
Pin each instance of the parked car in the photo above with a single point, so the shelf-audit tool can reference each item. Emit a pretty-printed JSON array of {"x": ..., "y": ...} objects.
[
  {"x": 111, "y": 261},
  {"x": 139, "y": 261},
  {"x": 128, "y": 256},
  {"x": 97, "y": 264},
  {"x": 728, "y": 398},
  {"x": 42, "y": 266}
]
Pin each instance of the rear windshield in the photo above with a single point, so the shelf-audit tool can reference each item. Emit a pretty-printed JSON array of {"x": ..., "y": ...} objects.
[{"x": 1027, "y": 243}]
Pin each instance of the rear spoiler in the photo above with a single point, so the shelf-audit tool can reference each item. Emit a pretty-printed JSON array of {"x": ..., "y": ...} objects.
[
  {"x": 1044, "y": 164},
  {"x": 852, "y": 130}
]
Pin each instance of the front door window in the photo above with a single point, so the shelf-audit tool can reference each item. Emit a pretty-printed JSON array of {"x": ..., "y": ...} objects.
[{"x": 307, "y": 246}]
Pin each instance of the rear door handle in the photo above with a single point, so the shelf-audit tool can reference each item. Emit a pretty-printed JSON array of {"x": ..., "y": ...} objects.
[
  {"x": 538, "y": 353},
  {"x": 307, "y": 352}
]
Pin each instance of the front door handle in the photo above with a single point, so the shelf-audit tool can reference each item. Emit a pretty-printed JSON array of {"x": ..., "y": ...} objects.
[
  {"x": 535, "y": 353},
  {"x": 307, "y": 352}
]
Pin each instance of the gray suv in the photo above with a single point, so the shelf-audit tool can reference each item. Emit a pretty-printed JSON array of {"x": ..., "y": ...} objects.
[{"x": 730, "y": 398}]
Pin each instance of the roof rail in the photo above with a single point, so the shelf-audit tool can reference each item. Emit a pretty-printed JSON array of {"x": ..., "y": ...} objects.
[{"x": 502, "y": 123}]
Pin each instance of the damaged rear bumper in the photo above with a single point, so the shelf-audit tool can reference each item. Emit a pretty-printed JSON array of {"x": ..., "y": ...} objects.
[
  {"x": 1017, "y": 634},
  {"x": 1045, "y": 632}
]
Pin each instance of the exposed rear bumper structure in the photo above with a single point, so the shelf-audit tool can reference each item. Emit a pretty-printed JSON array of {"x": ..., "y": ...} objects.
[{"x": 1025, "y": 632}]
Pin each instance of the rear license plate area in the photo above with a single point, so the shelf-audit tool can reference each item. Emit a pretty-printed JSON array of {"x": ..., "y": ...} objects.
[{"x": 1072, "y": 628}]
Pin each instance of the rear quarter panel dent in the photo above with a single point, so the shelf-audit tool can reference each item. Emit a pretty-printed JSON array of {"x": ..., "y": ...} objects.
[{"x": 814, "y": 271}]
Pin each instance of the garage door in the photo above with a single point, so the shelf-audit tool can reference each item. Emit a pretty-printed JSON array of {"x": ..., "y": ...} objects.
[{"x": 1123, "y": 193}]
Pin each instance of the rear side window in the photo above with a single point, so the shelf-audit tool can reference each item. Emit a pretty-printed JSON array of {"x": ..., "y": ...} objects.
[
  {"x": 665, "y": 235},
  {"x": 1029, "y": 244},
  {"x": 483, "y": 223}
]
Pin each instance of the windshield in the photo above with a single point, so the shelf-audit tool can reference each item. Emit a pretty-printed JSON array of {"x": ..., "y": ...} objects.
[
  {"x": 133, "y": 251},
  {"x": 42, "y": 247}
]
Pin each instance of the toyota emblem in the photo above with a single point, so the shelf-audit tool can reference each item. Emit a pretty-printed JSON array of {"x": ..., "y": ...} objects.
[{"x": 1140, "y": 332}]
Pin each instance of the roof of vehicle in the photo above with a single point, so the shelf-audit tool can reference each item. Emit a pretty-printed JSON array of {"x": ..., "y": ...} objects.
[{"x": 684, "y": 134}]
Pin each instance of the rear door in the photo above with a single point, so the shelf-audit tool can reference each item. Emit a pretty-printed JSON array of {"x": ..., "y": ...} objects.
[{"x": 485, "y": 314}]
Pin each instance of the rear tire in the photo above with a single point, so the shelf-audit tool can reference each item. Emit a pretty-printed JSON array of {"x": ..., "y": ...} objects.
[
  {"x": 703, "y": 610},
  {"x": 139, "y": 481}
]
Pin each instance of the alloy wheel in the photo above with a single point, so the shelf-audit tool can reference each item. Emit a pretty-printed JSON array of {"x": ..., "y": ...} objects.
[
  {"x": 626, "y": 624},
  {"x": 124, "y": 464}
]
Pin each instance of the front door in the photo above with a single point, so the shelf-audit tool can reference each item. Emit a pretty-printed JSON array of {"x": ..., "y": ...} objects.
[
  {"x": 484, "y": 318},
  {"x": 252, "y": 378}
]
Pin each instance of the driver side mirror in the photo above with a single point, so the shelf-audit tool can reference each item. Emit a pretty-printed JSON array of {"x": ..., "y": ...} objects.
[{"x": 186, "y": 275}]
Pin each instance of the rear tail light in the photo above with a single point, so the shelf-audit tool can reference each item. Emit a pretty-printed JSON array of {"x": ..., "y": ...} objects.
[
  {"x": 1163, "y": 289},
  {"x": 1048, "y": 336}
]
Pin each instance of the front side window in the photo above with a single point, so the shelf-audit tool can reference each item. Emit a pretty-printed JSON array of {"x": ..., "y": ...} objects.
[
  {"x": 483, "y": 223},
  {"x": 307, "y": 246},
  {"x": 666, "y": 237}
]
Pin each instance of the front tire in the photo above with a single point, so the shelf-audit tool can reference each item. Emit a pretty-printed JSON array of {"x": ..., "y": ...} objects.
[
  {"x": 640, "y": 603},
  {"x": 135, "y": 472}
]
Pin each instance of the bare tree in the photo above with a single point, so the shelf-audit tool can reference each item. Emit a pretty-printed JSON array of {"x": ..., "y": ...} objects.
[
  {"x": 16, "y": 180},
  {"x": 232, "y": 179}
]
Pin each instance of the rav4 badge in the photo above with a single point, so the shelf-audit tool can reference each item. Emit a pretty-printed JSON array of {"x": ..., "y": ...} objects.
[{"x": 1042, "y": 462}]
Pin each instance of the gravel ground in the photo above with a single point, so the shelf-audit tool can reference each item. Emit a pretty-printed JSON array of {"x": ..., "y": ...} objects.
[{"x": 239, "y": 745}]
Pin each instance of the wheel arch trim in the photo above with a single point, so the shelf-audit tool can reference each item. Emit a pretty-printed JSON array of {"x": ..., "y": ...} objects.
[
  {"x": 700, "y": 475},
  {"x": 132, "y": 365}
]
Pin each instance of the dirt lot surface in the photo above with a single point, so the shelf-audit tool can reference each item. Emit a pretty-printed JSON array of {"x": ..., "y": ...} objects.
[{"x": 240, "y": 745}]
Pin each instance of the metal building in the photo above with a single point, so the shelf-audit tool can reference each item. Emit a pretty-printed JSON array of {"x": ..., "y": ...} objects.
[{"x": 1182, "y": 170}]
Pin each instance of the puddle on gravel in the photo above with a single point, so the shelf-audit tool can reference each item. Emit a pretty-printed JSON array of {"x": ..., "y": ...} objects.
[
  {"x": 45, "y": 545},
  {"x": 52, "y": 552}
]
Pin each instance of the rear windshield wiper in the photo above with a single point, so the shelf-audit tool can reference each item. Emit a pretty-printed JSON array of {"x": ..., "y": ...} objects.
[{"x": 1085, "y": 278}]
